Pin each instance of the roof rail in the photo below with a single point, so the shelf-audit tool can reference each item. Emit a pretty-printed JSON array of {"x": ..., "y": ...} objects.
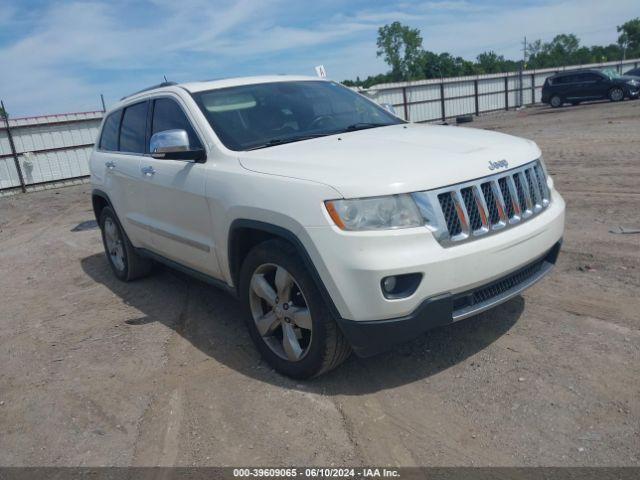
[{"x": 160, "y": 85}]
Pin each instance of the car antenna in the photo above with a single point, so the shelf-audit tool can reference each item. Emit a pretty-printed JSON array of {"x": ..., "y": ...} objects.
[{"x": 165, "y": 79}]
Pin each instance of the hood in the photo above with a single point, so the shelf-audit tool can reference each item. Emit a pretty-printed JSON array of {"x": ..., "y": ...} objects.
[
  {"x": 626, "y": 78},
  {"x": 395, "y": 159}
]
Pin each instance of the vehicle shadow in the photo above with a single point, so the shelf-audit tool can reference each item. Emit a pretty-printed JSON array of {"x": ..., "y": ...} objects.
[{"x": 211, "y": 321}]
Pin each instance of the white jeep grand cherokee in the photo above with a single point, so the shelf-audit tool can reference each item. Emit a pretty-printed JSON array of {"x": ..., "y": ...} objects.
[{"x": 338, "y": 226}]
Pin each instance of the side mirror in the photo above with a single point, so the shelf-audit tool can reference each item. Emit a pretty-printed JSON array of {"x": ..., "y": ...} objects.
[
  {"x": 389, "y": 108},
  {"x": 174, "y": 145}
]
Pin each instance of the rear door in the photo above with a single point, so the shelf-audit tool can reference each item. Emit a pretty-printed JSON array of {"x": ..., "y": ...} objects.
[
  {"x": 120, "y": 150},
  {"x": 571, "y": 87},
  {"x": 176, "y": 208}
]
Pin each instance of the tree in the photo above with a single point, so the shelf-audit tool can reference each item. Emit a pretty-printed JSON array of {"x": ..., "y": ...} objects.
[
  {"x": 629, "y": 38},
  {"x": 401, "y": 47},
  {"x": 490, "y": 62}
]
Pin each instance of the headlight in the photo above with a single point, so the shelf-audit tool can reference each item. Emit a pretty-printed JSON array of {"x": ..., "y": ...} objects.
[
  {"x": 375, "y": 213},
  {"x": 633, "y": 82}
]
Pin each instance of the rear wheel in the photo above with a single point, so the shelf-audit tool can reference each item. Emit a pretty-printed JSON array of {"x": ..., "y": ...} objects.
[
  {"x": 287, "y": 317},
  {"x": 616, "y": 94},
  {"x": 125, "y": 262},
  {"x": 555, "y": 101}
]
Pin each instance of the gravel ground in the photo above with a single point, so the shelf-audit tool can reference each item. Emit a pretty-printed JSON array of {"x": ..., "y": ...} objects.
[{"x": 162, "y": 372}]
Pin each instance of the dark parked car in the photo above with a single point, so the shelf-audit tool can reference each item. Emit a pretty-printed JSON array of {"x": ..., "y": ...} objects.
[
  {"x": 635, "y": 72},
  {"x": 581, "y": 85}
]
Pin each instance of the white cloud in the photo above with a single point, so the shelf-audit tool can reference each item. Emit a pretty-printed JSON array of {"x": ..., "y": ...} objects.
[{"x": 62, "y": 56}]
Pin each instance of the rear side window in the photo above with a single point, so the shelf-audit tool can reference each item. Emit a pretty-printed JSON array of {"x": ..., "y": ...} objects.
[
  {"x": 591, "y": 77},
  {"x": 167, "y": 115},
  {"x": 109, "y": 138},
  {"x": 133, "y": 129}
]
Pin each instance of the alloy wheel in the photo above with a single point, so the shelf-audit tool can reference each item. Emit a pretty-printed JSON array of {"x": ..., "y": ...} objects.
[
  {"x": 617, "y": 94},
  {"x": 113, "y": 242},
  {"x": 280, "y": 312}
]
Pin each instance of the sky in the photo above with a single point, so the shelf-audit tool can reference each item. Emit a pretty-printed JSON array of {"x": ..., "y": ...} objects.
[{"x": 60, "y": 55}]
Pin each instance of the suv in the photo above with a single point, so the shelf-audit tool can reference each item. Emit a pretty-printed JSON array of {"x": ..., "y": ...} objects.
[
  {"x": 336, "y": 224},
  {"x": 581, "y": 85}
]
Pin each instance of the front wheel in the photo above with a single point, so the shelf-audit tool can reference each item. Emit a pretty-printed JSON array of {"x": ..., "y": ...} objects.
[
  {"x": 555, "y": 101},
  {"x": 616, "y": 94},
  {"x": 286, "y": 315}
]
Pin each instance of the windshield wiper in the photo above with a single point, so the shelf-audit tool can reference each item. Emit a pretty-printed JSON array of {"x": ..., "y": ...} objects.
[
  {"x": 364, "y": 125},
  {"x": 281, "y": 141}
]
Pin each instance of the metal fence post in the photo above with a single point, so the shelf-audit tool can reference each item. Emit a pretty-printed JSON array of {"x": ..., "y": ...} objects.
[
  {"x": 506, "y": 92},
  {"x": 5, "y": 116},
  {"x": 404, "y": 102},
  {"x": 533, "y": 88},
  {"x": 520, "y": 88},
  {"x": 444, "y": 115},
  {"x": 475, "y": 94}
]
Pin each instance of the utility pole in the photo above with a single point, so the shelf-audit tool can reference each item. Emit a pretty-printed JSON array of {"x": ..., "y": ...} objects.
[{"x": 522, "y": 67}]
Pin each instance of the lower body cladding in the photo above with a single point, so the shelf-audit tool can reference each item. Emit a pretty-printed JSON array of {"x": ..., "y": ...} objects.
[{"x": 454, "y": 283}]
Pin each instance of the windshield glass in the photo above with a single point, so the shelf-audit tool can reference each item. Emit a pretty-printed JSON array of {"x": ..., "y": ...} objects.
[
  {"x": 609, "y": 72},
  {"x": 262, "y": 115}
]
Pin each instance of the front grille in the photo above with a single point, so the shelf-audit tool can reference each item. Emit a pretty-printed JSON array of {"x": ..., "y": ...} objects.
[{"x": 472, "y": 209}]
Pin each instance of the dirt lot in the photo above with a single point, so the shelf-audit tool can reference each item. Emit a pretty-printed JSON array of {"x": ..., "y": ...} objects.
[{"x": 162, "y": 372}]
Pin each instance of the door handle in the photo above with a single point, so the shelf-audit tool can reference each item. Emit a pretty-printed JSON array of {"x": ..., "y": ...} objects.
[
  {"x": 110, "y": 164},
  {"x": 148, "y": 171}
]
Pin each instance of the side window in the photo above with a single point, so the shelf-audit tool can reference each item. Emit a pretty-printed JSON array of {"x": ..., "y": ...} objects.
[
  {"x": 109, "y": 137},
  {"x": 591, "y": 77},
  {"x": 133, "y": 129},
  {"x": 167, "y": 115}
]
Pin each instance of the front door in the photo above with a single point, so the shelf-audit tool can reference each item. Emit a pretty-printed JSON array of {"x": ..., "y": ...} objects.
[{"x": 176, "y": 209}]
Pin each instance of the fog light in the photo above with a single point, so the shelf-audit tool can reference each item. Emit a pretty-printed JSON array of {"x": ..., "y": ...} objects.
[
  {"x": 400, "y": 286},
  {"x": 389, "y": 284}
]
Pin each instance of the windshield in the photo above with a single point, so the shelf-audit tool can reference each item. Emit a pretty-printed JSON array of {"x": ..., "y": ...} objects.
[
  {"x": 609, "y": 72},
  {"x": 249, "y": 117}
]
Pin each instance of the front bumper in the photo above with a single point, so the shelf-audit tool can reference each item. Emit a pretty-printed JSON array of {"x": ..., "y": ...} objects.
[{"x": 371, "y": 337}]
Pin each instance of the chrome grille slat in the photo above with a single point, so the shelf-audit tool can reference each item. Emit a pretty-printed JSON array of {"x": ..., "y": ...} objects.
[
  {"x": 528, "y": 202},
  {"x": 502, "y": 209},
  {"x": 515, "y": 201},
  {"x": 540, "y": 176},
  {"x": 486, "y": 205},
  {"x": 483, "y": 211},
  {"x": 463, "y": 216},
  {"x": 534, "y": 188}
]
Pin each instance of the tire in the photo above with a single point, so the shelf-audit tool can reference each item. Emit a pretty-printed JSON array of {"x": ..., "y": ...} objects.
[
  {"x": 616, "y": 94},
  {"x": 308, "y": 342},
  {"x": 125, "y": 262},
  {"x": 555, "y": 101}
]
